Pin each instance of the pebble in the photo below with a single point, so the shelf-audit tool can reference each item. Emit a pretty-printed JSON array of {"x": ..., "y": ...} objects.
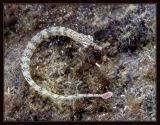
[
  {"x": 122, "y": 96},
  {"x": 114, "y": 107},
  {"x": 126, "y": 107}
]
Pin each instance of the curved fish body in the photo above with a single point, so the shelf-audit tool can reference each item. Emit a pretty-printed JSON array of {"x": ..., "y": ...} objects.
[{"x": 34, "y": 43}]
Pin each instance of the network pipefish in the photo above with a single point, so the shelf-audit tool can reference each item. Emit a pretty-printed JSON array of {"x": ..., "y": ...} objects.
[{"x": 35, "y": 42}]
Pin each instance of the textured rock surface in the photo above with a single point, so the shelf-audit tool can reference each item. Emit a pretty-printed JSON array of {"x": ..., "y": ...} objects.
[{"x": 128, "y": 66}]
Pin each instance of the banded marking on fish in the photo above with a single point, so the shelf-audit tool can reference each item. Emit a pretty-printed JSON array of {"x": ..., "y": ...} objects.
[{"x": 35, "y": 42}]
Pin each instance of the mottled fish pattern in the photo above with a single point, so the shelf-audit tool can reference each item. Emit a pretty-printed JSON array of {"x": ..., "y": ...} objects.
[{"x": 34, "y": 43}]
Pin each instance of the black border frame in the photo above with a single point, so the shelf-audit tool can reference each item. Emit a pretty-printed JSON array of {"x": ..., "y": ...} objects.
[{"x": 83, "y": 1}]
